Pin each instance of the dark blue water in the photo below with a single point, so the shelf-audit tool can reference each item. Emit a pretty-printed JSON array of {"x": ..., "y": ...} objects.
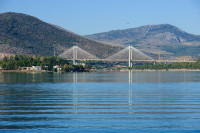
[{"x": 100, "y": 102}]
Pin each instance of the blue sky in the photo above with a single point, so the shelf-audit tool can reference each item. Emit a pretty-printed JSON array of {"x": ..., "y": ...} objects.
[{"x": 93, "y": 16}]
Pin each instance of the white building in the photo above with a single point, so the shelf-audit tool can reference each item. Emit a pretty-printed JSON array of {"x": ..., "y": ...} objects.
[
  {"x": 58, "y": 68},
  {"x": 37, "y": 68}
]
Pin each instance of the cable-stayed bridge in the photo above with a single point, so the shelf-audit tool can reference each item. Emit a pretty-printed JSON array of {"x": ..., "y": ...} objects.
[{"x": 129, "y": 54}]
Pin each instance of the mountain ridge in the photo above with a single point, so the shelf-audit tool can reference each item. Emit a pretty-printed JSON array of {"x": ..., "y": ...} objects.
[
  {"x": 28, "y": 35},
  {"x": 148, "y": 38},
  {"x": 25, "y": 34},
  {"x": 141, "y": 30}
]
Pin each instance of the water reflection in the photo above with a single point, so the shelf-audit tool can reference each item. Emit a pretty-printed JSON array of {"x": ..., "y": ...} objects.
[
  {"x": 116, "y": 100},
  {"x": 130, "y": 92},
  {"x": 75, "y": 92},
  {"x": 157, "y": 76}
]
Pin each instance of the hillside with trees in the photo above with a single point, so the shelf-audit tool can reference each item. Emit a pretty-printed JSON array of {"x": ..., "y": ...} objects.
[{"x": 21, "y": 34}]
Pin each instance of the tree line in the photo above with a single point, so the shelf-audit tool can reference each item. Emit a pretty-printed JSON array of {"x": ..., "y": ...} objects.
[
  {"x": 181, "y": 65},
  {"x": 46, "y": 63}
]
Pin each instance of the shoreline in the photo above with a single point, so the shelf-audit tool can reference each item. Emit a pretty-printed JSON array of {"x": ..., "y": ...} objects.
[
  {"x": 122, "y": 70},
  {"x": 24, "y": 71},
  {"x": 170, "y": 70}
]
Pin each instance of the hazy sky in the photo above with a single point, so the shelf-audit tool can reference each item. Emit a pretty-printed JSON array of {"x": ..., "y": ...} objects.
[{"x": 93, "y": 16}]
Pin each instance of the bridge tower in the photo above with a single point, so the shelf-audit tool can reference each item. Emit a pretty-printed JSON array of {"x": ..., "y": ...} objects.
[
  {"x": 74, "y": 55},
  {"x": 130, "y": 57}
]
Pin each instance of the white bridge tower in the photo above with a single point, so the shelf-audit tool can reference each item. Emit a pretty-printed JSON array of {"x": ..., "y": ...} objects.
[
  {"x": 130, "y": 57},
  {"x": 74, "y": 55}
]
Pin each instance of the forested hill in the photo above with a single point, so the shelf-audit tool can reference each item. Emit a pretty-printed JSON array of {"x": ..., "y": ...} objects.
[
  {"x": 163, "y": 38},
  {"x": 24, "y": 34}
]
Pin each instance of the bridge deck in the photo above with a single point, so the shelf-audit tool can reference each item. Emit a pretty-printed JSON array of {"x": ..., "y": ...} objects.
[{"x": 107, "y": 60}]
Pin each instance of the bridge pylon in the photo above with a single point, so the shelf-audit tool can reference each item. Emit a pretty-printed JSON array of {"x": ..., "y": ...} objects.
[
  {"x": 131, "y": 55},
  {"x": 75, "y": 55},
  {"x": 130, "y": 64}
]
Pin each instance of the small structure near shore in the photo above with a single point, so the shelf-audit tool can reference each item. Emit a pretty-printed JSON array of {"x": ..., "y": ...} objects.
[
  {"x": 33, "y": 68},
  {"x": 26, "y": 68},
  {"x": 57, "y": 68},
  {"x": 37, "y": 68}
]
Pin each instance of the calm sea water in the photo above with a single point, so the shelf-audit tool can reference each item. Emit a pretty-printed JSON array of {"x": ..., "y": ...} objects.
[{"x": 100, "y": 102}]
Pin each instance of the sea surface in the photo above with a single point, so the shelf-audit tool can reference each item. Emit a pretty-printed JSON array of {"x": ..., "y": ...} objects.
[{"x": 100, "y": 102}]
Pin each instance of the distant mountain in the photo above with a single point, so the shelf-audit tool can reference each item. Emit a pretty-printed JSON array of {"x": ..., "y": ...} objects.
[
  {"x": 154, "y": 39},
  {"x": 24, "y": 34}
]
